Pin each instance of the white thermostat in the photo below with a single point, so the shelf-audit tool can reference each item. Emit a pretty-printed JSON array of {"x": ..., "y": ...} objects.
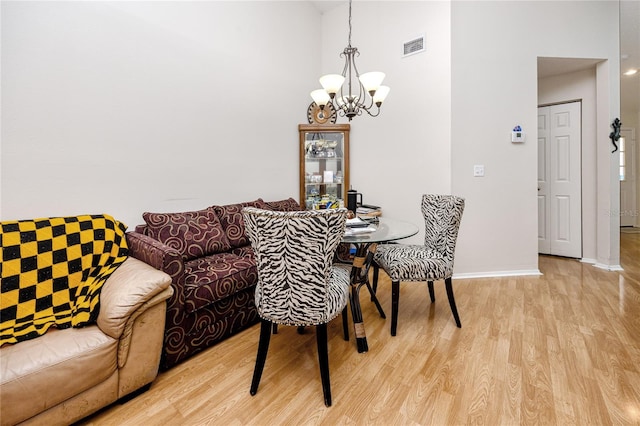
[{"x": 517, "y": 135}]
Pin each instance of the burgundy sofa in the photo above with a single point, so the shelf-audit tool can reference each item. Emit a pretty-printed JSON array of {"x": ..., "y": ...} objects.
[{"x": 213, "y": 273}]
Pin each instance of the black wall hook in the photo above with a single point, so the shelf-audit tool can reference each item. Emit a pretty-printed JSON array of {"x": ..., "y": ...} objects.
[{"x": 615, "y": 135}]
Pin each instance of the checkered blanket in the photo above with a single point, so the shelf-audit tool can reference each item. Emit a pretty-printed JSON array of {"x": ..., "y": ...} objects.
[{"x": 52, "y": 271}]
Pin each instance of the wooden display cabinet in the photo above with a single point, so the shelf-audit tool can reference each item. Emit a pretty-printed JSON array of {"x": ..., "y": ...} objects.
[{"x": 324, "y": 165}]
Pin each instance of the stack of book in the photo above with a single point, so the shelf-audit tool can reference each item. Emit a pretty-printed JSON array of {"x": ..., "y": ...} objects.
[
  {"x": 367, "y": 210},
  {"x": 358, "y": 226}
]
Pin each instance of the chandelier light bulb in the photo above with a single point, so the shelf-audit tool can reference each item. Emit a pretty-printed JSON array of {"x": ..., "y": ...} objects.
[
  {"x": 371, "y": 80},
  {"x": 320, "y": 97},
  {"x": 381, "y": 95},
  {"x": 332, "y": 83}
]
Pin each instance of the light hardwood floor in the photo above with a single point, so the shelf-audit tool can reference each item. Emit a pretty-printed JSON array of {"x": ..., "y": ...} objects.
[{"x": 562, "y": 348}]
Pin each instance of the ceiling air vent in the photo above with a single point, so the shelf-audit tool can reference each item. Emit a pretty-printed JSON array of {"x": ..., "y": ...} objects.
[{"x": 414, "y": 46}]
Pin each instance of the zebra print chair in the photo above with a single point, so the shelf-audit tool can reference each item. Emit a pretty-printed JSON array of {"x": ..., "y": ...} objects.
[
  {"x": 298, "y": 284},
  {"x": 429, "y": 262}
]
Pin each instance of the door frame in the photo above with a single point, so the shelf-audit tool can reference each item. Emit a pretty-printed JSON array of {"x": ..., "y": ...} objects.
[
  {"x": 600, "y": 177},
  {"x": 631, "y": 215}
]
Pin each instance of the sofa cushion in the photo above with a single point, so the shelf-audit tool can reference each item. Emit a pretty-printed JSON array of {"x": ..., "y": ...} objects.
[
  {"x": 193, "y": 234},
  {"x": 288, "y": 205},
  {"x": 40, "y": 373},
  {"x": 244, "y": 251},
  {"x": 213, "y": 278},
  {"x": 232, "y": 221}
]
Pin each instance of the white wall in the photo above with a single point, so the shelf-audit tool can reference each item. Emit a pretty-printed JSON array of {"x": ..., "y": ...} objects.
[
  {"x": 631, "y": 120},
  {"x": 126, "y": 107},
  {"x": 495, "y": 46},
  {"x": 405, "y": 151}
]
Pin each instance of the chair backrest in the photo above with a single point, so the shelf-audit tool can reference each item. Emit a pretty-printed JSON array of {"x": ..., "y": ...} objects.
[
  {"x": 294, "y": 256},
  {"x": 442, "y": 215}
]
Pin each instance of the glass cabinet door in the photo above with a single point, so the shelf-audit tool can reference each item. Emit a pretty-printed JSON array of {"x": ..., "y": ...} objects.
[{"x": 324, "y": 165}]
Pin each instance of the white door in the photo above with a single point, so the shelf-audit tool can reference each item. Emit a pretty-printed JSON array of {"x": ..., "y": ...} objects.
[{"x": 559, "y": 180}]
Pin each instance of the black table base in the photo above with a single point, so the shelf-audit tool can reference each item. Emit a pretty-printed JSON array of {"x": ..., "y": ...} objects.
[{"x": 359, "y": 278}]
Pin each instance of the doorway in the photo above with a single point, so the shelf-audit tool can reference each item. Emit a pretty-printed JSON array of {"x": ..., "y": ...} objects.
[
  {"x": 559, "y": 179},
  {"x": 627, "y": 146}
]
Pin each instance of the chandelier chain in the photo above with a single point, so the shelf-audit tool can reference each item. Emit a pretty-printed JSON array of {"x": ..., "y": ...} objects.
[{"x": 349, "y": 23}]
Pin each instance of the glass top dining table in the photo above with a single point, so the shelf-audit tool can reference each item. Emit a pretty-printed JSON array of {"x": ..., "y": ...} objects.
[
  {"x": 385, "y": 230},
  {"x": 366, "y": 241}
]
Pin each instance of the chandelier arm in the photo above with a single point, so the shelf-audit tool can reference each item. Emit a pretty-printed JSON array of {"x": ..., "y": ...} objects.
[
  {"x": 355, "y": 52},
  {"x": 355, "y": 69},
  {"x": 349, "y": 65},
  {"x": 362, "y": 98},
  {"x": 370, "y": 113}
]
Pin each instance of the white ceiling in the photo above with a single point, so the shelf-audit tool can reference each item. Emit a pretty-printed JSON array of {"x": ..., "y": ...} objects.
[{"x": 548, "y": 67}]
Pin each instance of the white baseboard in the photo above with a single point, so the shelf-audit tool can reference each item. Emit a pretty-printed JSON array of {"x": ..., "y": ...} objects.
[
  {"x": 496, "y": 274},
  {"x": 609, "y": 267},
  {"x": 595, "y": 263}
]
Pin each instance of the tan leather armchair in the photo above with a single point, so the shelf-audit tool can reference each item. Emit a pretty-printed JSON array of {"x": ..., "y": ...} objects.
[{"x": 65, "y": 375}]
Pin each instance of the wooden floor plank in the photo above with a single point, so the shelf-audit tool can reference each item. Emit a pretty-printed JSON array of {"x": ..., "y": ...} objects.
[{"x": 560, "y": 348}]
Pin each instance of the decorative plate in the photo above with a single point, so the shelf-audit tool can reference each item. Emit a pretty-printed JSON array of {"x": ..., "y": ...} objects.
[{"x": 315, "y": 115}]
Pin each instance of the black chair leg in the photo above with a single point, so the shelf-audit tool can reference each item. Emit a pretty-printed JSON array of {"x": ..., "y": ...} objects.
[
  {"x": 452, "y": 301},
  {"x": 345, "y": 323},
  {"x": 395, "y": 302},
  {"x": 376, "y": 271},
  {"x": 275, "y": 328},
  {"x": 374, "y": 299},
  {"x": 263, "y": 347},
  {"x": 431, "y": 293},
  {"x": 323, "y": 359}
]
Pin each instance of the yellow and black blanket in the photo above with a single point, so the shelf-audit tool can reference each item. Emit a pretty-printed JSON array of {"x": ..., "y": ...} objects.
[{"x": 52, "y": 271}]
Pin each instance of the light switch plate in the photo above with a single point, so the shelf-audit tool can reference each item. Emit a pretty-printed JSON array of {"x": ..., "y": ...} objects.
[{"x": 478, "y": 170}]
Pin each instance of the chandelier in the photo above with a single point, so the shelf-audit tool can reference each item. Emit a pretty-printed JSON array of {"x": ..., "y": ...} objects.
[{"x": 347, "y": 95}]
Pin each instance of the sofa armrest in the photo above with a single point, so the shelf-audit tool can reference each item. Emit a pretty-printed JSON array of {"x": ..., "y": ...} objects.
[
  {"x": 156, "y": 254},
  {"x": 166, "y": 259},
  {"x": 132, "y": 286}
]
